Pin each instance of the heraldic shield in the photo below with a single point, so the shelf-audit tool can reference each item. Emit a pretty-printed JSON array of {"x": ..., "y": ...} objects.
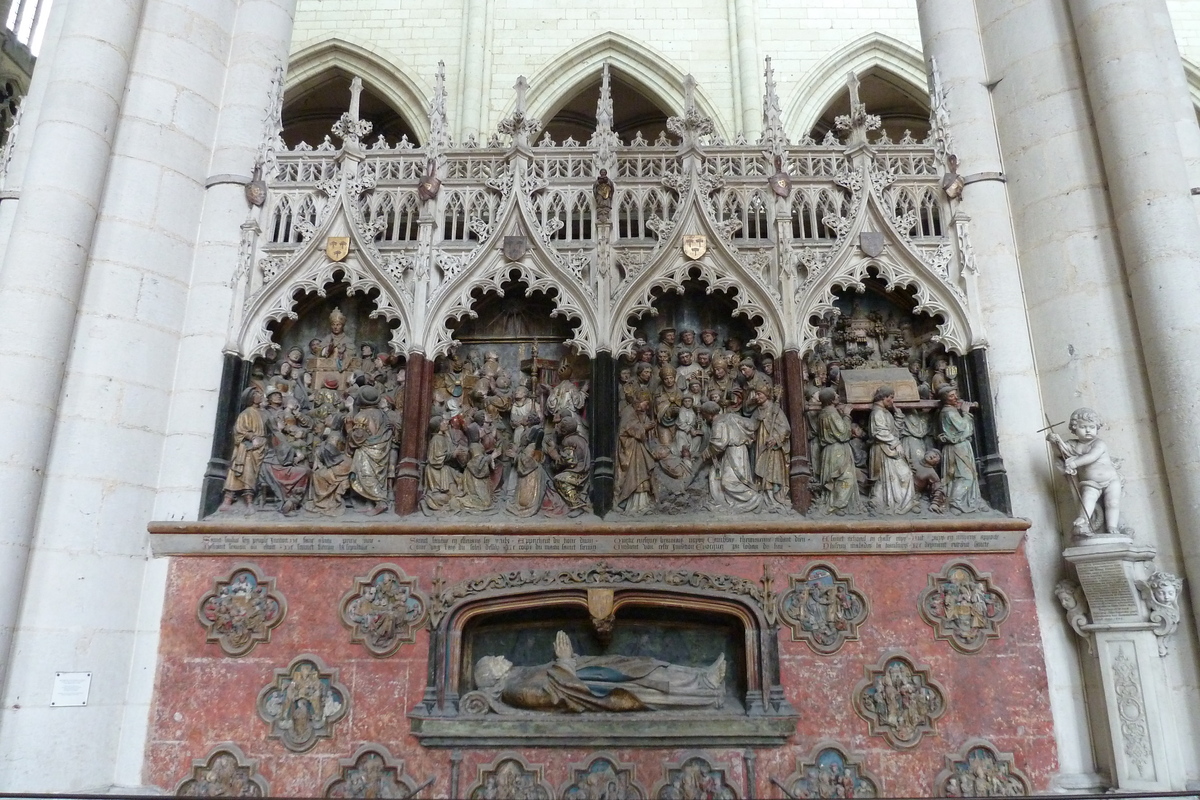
[
  {"x": 337, "y": 247},
  {"x": 695, "y": 245},
  {"x": 515, "y": 247}
]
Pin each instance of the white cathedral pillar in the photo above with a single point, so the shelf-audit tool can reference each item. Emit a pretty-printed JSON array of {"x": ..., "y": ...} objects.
[
  {"x": 472, "y": 80},
  {"x": 261, "y": 39},
  {"x": 746, "y": 66},
  {"x": 42, "y": 275},
  {"x": 950, "y": 38},
  {"x": 1135, "y": 119},
  {"x": 144, "y": 288},
  {"x": 1177, "y": 87}
]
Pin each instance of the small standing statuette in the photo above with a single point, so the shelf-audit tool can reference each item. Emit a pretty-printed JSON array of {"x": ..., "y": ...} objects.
[
  {"x": 602, "y": 190},
  {"x": 1092, "y": 473}
]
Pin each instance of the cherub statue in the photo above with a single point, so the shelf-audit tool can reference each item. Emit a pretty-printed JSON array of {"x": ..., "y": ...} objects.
[{"x": 1092, "y": 472}]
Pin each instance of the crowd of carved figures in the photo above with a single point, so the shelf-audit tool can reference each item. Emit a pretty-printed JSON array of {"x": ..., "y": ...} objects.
[
  {"x": 508, "y": 437},
  {"x": 700, "y": 425},
  {"x": 319, "y": 428},
  {"x": 889, "y": 432}
]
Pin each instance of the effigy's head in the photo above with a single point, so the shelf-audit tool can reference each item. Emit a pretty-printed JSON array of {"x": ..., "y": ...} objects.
[{"x": 490, "y": 670}]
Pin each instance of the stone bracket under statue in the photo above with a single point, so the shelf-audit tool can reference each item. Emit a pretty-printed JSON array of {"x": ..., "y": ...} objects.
[
  {"x": 732, "y": 699},
  {"x": 1126, "y": 612}
]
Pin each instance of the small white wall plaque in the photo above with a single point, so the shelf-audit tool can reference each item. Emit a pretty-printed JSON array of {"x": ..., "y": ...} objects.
[{"x": 71, "y": 688}]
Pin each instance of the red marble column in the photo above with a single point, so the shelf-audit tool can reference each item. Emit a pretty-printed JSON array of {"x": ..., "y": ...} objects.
[
  {"x": 417, "y": 400},
  {"x": 800, "y": 470}
]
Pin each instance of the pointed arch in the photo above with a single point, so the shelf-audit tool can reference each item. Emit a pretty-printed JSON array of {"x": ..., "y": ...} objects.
[
  {"x": 822, "y": 85},
  {"x": 383, "y": 76},
  {"x": 486, "y": 269},
  {"x": 719, "y": 269},
  {"x": 648, "y": 70}
]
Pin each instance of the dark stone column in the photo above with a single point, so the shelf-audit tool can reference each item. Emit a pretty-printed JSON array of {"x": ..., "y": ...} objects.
[
  {"x": 234, "y": 376},
  {"x": 800, "y": 470},
  {"x": 602, "y": 417},
  {"x": 977, "y": 388},
  {"x": 412, "y": 438}
]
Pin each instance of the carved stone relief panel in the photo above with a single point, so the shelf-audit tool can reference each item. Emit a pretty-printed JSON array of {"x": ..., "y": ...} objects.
[
  {"x": 899, "y": 700},
  {"x": 320, "y": 419},
  {"x": 980, "y": 770},
  {"x": 384, "y": 610},
  {"x": 302, "y": 703},
  {"x": 830, "y": 772},
  {"x": 602, "y": 778},
  {"x": 372, "y": 772},
  {"x": 701, "y": 427},
  {"x": 241, "y": 610},
  {"x": 695, "y": 776},
  {"x": 823, "y": 609},
  {"x": 888, "y": 432},
  {"x": 508, "y": 431},
  {"x": 225, "y": 772},
  {"x": 510, "y": 777},
  {"x": 964, "y": 607}
]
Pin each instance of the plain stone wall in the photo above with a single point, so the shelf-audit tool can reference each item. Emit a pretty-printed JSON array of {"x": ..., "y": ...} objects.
[
  {"x": 1185, "y": 16},
  {"x": 699, "y": 38}
]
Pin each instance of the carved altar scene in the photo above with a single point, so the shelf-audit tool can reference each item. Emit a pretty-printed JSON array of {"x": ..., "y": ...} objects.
[
  {"x": 509, "y": 431},
  {"x": 700, "y": 424},
  {"x": 319, "y": 420},
  {"x": 891, "y": 430}
]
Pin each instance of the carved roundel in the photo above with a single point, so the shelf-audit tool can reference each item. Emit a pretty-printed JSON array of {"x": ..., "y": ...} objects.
[
  {"x": 225, "y": 772},
  {"x": 964, "y": 607},
  {"x": 695, "y": 776},
  {"x": 603, "y": 776},
  {"x": 303, "y": 703},
  {"x": 384, "y": 610},
  {"x": 831, "y": 772},
  {"x": 510, "y": 776},
  {"x": 823, "y": 609},
  {"x": 241, "y": 610},
  {"x": 899, "y": 701},
  {"x": 981, "y": 770},
  {"x": 372, "y": 772}
]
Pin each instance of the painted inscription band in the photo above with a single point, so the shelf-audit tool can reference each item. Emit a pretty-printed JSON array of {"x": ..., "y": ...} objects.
[{"x": 192, "y": 544}]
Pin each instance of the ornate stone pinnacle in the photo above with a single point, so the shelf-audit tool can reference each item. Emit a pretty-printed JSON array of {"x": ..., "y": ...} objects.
[
  {"x": 518, "y": 125},
  {"x": 692, "y": 125},
  {"x": 774, "y": 139},
  {"x": 439, "y": 139},
  {"x": 349, "y": 128},
  {"x": 858, "y": 121},
  {"x": 604, "y": 106}
]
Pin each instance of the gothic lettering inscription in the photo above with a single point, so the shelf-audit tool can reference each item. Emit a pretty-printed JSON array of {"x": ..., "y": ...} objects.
[
  {"x": 170, "y": 544},
  {"x": 1108, "y": 592}
]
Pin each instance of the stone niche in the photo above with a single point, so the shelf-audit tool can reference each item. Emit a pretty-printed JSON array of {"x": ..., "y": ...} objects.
[{"x": 669, "y": 658}]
